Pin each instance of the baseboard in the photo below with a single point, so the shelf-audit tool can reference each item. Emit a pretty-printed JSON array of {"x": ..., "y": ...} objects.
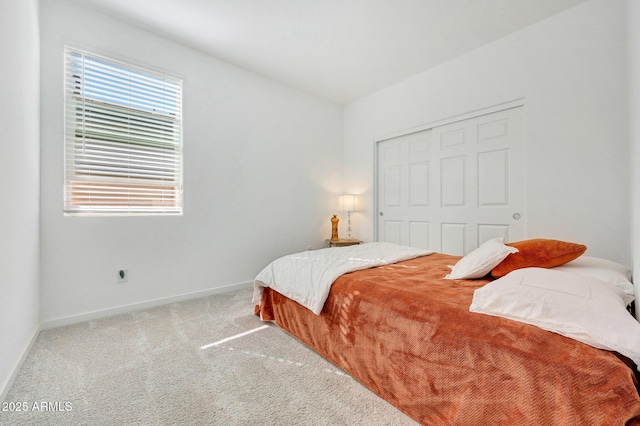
[
  {"x": 16, "y": 369},
  {"x": 74, "y": 319}
]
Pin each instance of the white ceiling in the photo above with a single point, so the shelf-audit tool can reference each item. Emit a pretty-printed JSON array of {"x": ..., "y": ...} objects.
[{"x": 340, "y": 50}]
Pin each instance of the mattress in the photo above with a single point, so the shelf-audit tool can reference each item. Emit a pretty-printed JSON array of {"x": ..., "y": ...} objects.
[{"x": 406, "y": 333}]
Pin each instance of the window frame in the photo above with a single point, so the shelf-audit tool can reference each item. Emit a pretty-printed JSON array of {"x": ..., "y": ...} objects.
[{"x": 123, "y": 138}]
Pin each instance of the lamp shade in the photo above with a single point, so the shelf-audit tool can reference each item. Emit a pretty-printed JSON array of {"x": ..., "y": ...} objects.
[{"x": 347, "y": 202}]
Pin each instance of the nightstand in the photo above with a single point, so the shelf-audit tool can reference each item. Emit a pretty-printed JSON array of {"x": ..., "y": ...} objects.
[{"x": 342, "y": 242}]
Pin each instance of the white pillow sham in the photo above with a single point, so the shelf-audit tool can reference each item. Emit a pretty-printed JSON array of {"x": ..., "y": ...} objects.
[
  {"x": 578, "y": 307},
  {"x": 604, "y": 270},
  {"x": 481, "y": 261}
]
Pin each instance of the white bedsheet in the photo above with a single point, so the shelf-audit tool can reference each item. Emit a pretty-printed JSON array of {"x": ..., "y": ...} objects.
[{"x": 307, "y": 277}]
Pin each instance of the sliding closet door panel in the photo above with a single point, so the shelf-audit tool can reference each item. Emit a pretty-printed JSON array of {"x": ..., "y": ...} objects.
[
  {"x": 490, "y": 164},
  {"x": 405, "y": 174}
]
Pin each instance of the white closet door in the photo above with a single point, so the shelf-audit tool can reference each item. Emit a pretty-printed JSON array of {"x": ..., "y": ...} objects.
[
  {"x": 404, "y": 176},
  {"x": 452, "y": 187}
]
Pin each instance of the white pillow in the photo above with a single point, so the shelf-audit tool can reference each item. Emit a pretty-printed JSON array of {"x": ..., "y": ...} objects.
[
  {"x": 604, "y": 270},
  {"x": 481, "y": 261},
  {"x": 578, "y": 307}
]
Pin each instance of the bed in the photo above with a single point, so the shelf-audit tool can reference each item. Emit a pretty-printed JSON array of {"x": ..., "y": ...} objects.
[{"x": 407, "y": 333}]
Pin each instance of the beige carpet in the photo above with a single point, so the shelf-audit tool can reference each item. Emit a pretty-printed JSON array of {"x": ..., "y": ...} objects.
[{"x": 171, "y": 365}]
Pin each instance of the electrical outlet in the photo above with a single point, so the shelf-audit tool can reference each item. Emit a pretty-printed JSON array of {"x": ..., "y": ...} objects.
[{"x": 123, "y": 276}]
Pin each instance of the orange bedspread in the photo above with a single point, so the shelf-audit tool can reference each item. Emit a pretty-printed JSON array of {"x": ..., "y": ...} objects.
[{"x": 407, "y": 334}]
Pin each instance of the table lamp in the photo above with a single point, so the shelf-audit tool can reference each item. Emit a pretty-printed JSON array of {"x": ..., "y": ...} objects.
[{"x": 347, "y": 203}]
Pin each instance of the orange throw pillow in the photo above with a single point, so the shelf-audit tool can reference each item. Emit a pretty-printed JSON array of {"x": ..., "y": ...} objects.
[{"x": 538, "y": 253}]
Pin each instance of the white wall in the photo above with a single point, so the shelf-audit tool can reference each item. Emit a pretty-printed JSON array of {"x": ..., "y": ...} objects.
[
  {"x": 571, "y": 70},
  {"x": 260, "y": 163},
  {"x": 633, "y": 26},
  {"x": 19, "y": 174}
]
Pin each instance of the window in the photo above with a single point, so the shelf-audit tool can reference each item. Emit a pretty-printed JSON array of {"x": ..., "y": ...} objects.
[{"x": 123, "y": 138}]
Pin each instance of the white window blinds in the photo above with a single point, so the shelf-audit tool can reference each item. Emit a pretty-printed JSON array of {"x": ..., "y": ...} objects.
[{"x": 123, "y": 138}]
